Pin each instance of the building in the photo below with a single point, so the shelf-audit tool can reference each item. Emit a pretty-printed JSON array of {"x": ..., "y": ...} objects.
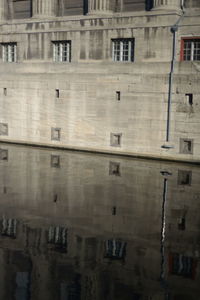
[{"x": 116, "y": 76}]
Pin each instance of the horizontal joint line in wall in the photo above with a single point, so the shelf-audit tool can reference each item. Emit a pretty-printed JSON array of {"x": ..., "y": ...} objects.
[{"x": 85, "y": 29}]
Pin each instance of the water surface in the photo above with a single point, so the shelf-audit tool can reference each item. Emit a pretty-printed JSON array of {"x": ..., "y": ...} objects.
[{"x": 79, "y": 226}]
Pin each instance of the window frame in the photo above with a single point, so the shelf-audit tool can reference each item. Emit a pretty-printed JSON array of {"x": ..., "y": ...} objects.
[
  {"x": 183, "y": 39},
  {"x": 122, "y": 50},
  {"x": 59, "y": 51},
  {"x": 9, "y": 52}
]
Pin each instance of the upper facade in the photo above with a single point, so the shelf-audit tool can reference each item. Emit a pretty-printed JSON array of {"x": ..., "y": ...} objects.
[{"x": 21, "y": 9}]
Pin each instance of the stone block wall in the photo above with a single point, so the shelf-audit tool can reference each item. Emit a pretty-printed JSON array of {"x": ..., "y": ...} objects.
[{"x": 95, "y": 103}]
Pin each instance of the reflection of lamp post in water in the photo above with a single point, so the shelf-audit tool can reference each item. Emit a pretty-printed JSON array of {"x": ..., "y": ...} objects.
[{"x": 163, "y": 234}]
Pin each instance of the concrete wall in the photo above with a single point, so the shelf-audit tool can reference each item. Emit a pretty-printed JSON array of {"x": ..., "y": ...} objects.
[{"x": 87, "y": 110}]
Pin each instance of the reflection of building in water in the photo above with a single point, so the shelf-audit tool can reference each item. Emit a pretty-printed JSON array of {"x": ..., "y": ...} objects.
[
  {"x": 115, "y": 249},
  {"x": 182, "y": 265},
  {"x": 8, "y": 227},
  {"x": 103, "y": 255},
  {"x": 57, "y": 236},
  {"x": 22, "y": 286}
]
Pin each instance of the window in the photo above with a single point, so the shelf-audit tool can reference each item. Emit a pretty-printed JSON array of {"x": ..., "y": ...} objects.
[
  {"x": 115, "y": 249},
  {"x": 5, "y": 91},
  {"x": 114, "y": 210},
  {"x": 186, "y": 146},
  {"x": 55, "y": 198},
  {"x": 189, "y": 99},
  {"x": 9, "y": 52},
  {"x": 55, "y": 161},
  {"x": 123, "y": 49},
  {"x": 181, "y": 223},
  {"x": 57, "y": 93},
  {"x": 72, "y": 290},
  {"x": 114, "y": 168},
  {"x": 190, "y": 49},
  {"x": 115, "y": 139},
  {"x": 181, "y": 265},
  {"x": 3, "y": 154},
  {"x": 8, "y": 227},
  {"x": 118, "y": 95},
  {"x": 3, "y": 129},
  {"x": 22, "y": 285},
  {"x": 62, "y": 51},
  {"x": 57, "y": 236},
  {"x": 55, "y": 134},
  {"x": 184, "y": 177},
  {"x": 149, "y": 4}
]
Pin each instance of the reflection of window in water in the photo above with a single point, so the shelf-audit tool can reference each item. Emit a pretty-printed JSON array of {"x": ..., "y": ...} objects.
[
  {"x": 181, "y": 223},
  {"x": 55, "y": 161},
  {"x": 58, "y": 237},
  {"x": 115, "y": 249},
  {"x": 114, "y": 168},
  {"x": 89, "y": 287},
  {"x": 184, "y": 177},
  {"x": 70, "y": 291},
  {"x": 22, "y": 291},
  {"x": 3, "y": 154},
  {"x": 181, "y": 265},
  {"x": 8, "y": 227}
]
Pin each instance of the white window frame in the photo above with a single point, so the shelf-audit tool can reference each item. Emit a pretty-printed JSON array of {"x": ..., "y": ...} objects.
[
  {"x": 122, "y": 51},
  {"x": 9, "y": 51},
  {"x": 192, "y": 50},
  {"x": 61, "y": 51}
]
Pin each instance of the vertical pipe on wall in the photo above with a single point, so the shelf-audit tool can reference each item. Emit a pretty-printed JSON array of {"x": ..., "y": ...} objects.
[
  {"x": 174, "y": 30},
  {"x": 171, "y": 74}
]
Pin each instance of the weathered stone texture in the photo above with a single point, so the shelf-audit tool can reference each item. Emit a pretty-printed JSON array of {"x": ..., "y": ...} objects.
[{"x": 87, "y": 110}]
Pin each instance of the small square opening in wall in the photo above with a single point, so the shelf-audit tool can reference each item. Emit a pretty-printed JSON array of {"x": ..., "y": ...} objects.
[
  {"x": 186, "y": 146},
  {"x": 114, "y": 168},
  {"x": 55, "y": 198},
  {"x": 3, "y": 129},
  {"x": 5, "y": 91},
  {"x": 57, "y": 93},
  {"x": 181, "y": 223},
  {"x": 115, "y": 139},
  {"x": 55, "y": 134},
  {"x": 184, "y": 177},
  {"x": 118, "y": 95},
  {"x": 55, "y": 161},
  {"x": 114, "y": 210},
  {"x": 189, "y": 99},
  {"x": 3, "y": 154}
]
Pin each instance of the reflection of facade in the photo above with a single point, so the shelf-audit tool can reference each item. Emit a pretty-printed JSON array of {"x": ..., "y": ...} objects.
[
  {"x": 76, "y": 247},
  {"x": 116, "y": 76}
]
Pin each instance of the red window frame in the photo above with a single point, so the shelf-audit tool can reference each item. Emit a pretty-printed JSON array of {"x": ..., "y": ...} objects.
[{"x": 182, "y": 45}]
